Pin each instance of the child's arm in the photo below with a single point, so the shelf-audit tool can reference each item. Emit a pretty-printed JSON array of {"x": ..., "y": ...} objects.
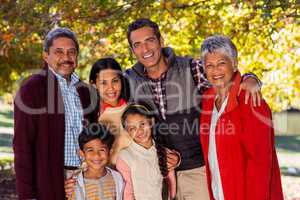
[
  {"x": 124, "y": 170},
  {"x": 172, "y": 184},
  {"x": 122, "y": 141},
  {"x": 173, "y": 159}
]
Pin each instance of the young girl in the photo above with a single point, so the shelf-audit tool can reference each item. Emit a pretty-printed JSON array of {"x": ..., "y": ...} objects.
[
  {"x": 143, "y": 164},
  {"x": 98, "y": 181},
  {"x": 106, "y": 76}
]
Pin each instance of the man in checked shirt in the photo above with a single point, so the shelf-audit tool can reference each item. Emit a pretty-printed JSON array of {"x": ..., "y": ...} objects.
[{"x": 173, "y": 85}]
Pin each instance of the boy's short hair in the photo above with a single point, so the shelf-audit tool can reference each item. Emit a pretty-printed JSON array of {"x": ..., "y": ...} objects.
[{"x": 96, "y": 131}]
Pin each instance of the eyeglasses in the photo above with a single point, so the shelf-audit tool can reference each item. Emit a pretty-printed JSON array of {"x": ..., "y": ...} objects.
[{"x": 70, "y": 52}]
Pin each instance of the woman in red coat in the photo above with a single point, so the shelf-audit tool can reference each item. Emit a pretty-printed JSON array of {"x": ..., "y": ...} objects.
[{"x": 237, "y": 138}]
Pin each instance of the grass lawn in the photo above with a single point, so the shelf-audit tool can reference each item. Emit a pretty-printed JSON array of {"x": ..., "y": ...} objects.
[
  {"x": 6, "y": 129},
  {"x": 6, "y": 150},
  {"x": 288, "y": 144},
  {"x": 6, "y": 117}
]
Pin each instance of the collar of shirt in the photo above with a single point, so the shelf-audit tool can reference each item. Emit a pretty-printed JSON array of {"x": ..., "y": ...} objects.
[
  {"x": 142, "y": 151},
  {"x": 104, "y": 105},
  {"x": 161, "y": 78},
  {"x": 61, "y": 79}
]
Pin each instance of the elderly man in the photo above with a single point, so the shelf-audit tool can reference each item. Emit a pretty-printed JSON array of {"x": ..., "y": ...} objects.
[
  {"x": 173, "y": 85},
  {"x": 49, "y": 111}
]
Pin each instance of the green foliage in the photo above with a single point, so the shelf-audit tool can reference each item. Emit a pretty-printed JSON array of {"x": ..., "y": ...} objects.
[{"x": 266, "y": 33}]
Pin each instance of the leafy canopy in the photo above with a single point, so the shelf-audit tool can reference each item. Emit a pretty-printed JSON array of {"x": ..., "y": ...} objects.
[{"x": 267, "y": 34}]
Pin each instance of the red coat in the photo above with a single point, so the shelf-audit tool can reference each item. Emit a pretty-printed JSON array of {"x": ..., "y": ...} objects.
[
  {"x": 39, "y": 137},
  {"x": 245, "y": 148}
]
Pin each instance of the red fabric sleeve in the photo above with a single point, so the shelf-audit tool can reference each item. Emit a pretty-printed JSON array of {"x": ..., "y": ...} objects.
[{"x": 257, "y": 140}]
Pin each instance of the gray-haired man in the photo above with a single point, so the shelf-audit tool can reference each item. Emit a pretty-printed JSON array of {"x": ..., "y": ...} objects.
[{"x": 49, "y": 110}]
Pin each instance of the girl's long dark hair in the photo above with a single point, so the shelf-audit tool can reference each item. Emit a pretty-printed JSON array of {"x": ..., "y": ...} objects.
[{"x": 145, "y": 110}]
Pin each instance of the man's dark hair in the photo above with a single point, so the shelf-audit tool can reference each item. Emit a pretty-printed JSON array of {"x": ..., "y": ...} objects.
[
  {"x": 140, "y": 23},
  {"x": 96, "y": 131},
  {"x": 59, "y": 33}
]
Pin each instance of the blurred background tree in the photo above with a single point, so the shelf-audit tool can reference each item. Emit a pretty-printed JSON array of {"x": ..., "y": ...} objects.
[{"x": 266, "y": 32}]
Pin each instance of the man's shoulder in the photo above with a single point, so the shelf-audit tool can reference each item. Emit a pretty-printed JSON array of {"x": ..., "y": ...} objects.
[
  {"x": 132, "y": 73},
  {"x": 34, "y": 81},
  {"x": 183, "y": 61},
  {"x": 128, "y": 71},
  {"x": 81, "y": 85},
  {"x": 31, "y": 89}
]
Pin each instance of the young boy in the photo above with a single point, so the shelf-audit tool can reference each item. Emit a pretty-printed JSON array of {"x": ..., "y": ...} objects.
[{"x": 98, "y": 181}]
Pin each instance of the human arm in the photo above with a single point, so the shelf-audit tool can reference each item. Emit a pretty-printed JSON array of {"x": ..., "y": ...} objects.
[
  {"x": 122, "y": 141},
  {"x": 69, "y": 187},
  {"x": 173, "y": 159},
  {"x": 25, "y": 131},
  {"x": 252, "y": 85},
  {"x": 124, "y": 170},
  {"x": 171, "y": 178}
]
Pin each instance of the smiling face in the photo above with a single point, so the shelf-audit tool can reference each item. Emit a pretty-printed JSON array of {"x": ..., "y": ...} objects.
[
  {"x": 62, "y": 56},
  {"x": 109, "y": 86},
  {"x": 140, "y": 129},
  {"x": 96, "y": 155},
  {"x": 147, "y": 47},
  {"x": 219, "y": 69}
]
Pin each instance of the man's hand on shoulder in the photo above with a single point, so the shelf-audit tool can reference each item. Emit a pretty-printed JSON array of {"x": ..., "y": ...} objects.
[{"x": 252, "y": 85}]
